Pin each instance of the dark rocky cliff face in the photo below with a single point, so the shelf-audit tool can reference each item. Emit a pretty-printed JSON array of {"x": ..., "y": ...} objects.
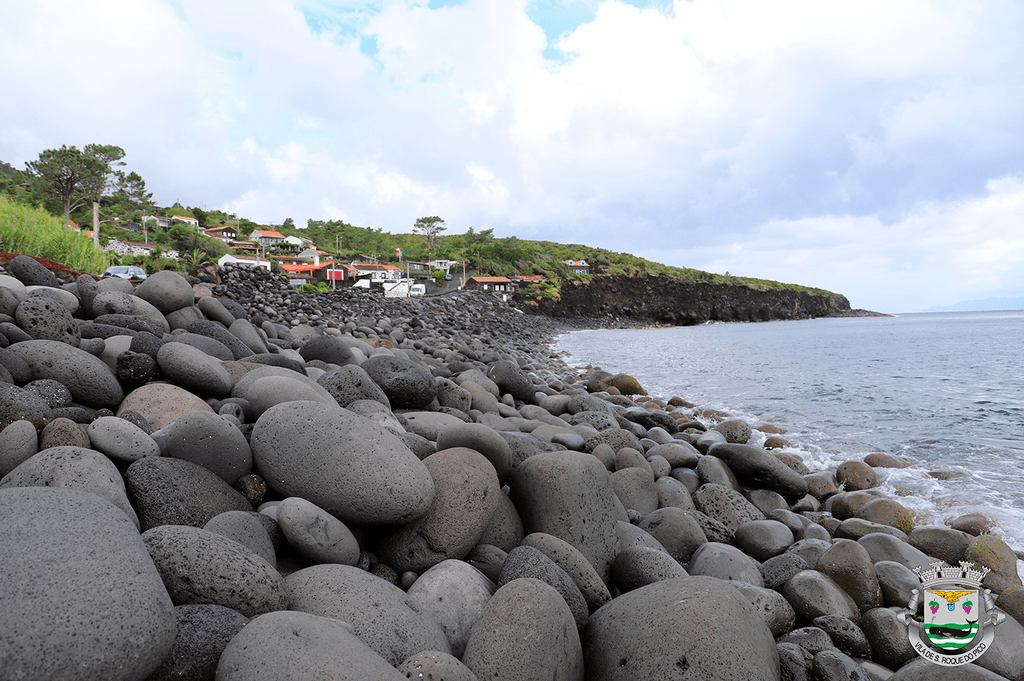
[{"x": 669, "y": 301}]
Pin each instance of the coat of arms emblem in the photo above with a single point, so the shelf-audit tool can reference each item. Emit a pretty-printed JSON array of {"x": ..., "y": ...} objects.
[{"x": 958, "y": 621}]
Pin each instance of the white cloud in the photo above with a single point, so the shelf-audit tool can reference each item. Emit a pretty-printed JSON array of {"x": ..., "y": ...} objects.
[{"x": 716, "y": 122}]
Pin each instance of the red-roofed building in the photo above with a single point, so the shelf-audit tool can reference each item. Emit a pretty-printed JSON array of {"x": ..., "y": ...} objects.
[
  {"x": 578, "y": 266},
  {"x": 186, "y": 220},
  {"x": 266, "y": 237},
  {"x": 496, "y": 284},
  {"x": 227, "y": 233},
  {"x": 377, "y": 272},
  {"x": 74, "y": 225}
]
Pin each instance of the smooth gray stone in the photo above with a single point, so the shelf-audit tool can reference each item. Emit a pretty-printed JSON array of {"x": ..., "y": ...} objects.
[
  {"x": 466, "y": 498},
  {"x": 169, "y": 491},
  {"x": 246, "y": 332},
  {"x": 850, "y": 566},
  {"x": 629, "y": 535},
  {"x": 288, "y": 645},
  {"x": 504, "y": 641},
  {"x": 506, "y": 527},
  {"x": 811, "y": 639},
  {"x": 663, "y": 631},
  {"x": 244, "y": 387},
  {"x": 315, "y": 533},
  {"x": 215, "y": 311},
  {"x": 480, "y": 399},
  {"x": 713, "y": 470},
  {"x": 428, "y": 424},
  {"x": 813, "y": 594},
  {"x": 342, "y": 462},
  {"x": 45, "y": 319},
  {"x": 778, "y": 570},
  {"x": 91, "y": 382},
  {"x": 635, "y": 489},
  {"x": 431, "y": 664},
  {"x": 19, "y": 441},
  {"x": 112, "y": 348},
  {"x": 181, "y": 319},
  {"x": 406, "y": 383},
  {"x": 117, "y": 302},
  {"x": 888, "y": 638},
  {"x": 676, "y": 530},
  {"x": 74, "y": 468},
  {"x": 382, "y": 615},
  {"x": 834, "y": 665},
  {"x": 329, "y": 349},
  {"x": 214, "y": 331},
  {"x": 454, "y": 594},
  {"x": 194, "y": 370},
  {"x": 81, "y": 598},
  {"x": 382, "y": 416},
  {"x": 203, "y": 633},
  {"x": 510, "y": 379},
  {"x": 167, "y": 291},
  {"x": 199, "y": 566},
  {"x": 810, "y": 549},
  {"x": 245, "y": 528},
  {"x": 778, "y": 614},
  {"x": 763, "y": 539},
  {"x": 566, "y": 556},
  {"x": 897, "y": 582},
  {"x": 526, "y": 561},
  {"x": 121, "y": 440},
  {"x": 161, "y": 403},
  {"x": 569, "y": 495},
  {"x": 350, "y": 383},
  {"x": 63, "y": 432},
  {"x": 886, "y": 547},
  {"x": 451, "y": 394},
  {"x": 724, "y": 562},
  {"x": 211, "y": 441},
  {"x": 638, "y": 566},
  {"x": 211, "y": 346},
  {"x": 672, "y": 493},
  {"x": 9, "y": 299},
  {"x": 477, "y": 377},
  {"x": 19, "y": 369},
  {"x": 480, "y": 438}
]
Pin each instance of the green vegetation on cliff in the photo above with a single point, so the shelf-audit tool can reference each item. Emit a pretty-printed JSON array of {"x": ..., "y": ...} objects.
[{"x": 34, "y": 231}]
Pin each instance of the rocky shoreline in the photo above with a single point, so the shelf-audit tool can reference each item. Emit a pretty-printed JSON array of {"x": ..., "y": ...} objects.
[{"x": 218, "y": 477}]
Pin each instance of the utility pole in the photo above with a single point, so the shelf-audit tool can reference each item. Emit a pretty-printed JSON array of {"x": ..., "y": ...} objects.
[{"x": 96, "y": 224}]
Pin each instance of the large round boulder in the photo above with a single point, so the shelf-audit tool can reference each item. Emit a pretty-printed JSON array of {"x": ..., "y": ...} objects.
[
  {"x": 345, "y": 464},
  {"x": 167, "y": 291},
  {"x": 90, "y": 381},
  {"x": 406, "y": 383},
  {"x": 682, "y": 628},
  {"x": 526, "y": 631},
  {"x": 81, "y": 598},
  {"x": 466, "y": 497}
]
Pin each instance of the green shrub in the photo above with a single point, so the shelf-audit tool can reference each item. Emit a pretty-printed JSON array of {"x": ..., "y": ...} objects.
[{"x": 32, "y": 231}]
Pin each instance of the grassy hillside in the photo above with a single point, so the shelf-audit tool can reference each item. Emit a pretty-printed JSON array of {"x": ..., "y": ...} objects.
[{"x": 33, "y": 231}]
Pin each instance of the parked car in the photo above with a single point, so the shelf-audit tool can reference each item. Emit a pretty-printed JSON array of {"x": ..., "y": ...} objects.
[
  {"x": 448, "y": 276},
  {"x": 126, "y": 272},
  {"x": 417, "y": 290}
]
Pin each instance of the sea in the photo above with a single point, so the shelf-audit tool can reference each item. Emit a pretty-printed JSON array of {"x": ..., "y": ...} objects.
[{"x": 945, "y": 390}]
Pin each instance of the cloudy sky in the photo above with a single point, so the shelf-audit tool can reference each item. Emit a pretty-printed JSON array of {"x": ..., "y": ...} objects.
[{"x": 874, "y": 148}]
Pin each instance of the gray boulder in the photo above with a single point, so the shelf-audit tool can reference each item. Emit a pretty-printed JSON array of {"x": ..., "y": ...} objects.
[
  {"x": 45, "y": 319},
  {"x": 90, "y": 381},
  {"x": 724, "y": 562},
  {"x": 120, "y": 439},
  {"x": 760, "y": 468},
  {"x": 342, "y": 462},
  {"x": 81, "y": 598},
  {"x": 167, "y": 291},
  {"x": 504, "y": 641},
  {"x": 169, "y": 491},
  {"x": 284, "y": 646},
  {"x": 199, "y": 566},
  {"x": 688, "y": 627},
  {"x": 315, "y": 533},
  {"x": 383, "y": 616},
  {"x": 454, "y": 594},
  {"x": 211, "y": 441},
  {"x": 73, "y": 468},
  {"x": 350, "y": 383},
  {"x": 406, "y": 383},
  {"x": 466, "y": 498},
  {"x": 813, "y": 594},
  {"x": 638, "y": 566},
  {"x": 480, "y": 438},
  {"x": 526, "y": 561},
  {"x": 203, "y": 633}
]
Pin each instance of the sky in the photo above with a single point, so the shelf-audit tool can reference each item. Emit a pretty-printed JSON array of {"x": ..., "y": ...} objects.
[{"x": 872, "y": 148}]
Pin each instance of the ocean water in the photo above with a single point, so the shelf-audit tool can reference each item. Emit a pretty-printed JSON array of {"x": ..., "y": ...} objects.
[{"x": 944, "y": 389}]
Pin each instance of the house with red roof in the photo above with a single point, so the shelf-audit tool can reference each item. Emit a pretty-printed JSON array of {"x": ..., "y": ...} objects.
[
  {"x": 227, "y": 233},
  {"x": 578, "y": 266},
  {"x": 491, "y": 284},
  {"x": 186, "y": 220},
  {"x": 266, "y": 238}
]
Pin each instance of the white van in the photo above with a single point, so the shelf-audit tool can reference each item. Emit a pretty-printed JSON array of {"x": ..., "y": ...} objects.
[{"x": 417, "y": 290}]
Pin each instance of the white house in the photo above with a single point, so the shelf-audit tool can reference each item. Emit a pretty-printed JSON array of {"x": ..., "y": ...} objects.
[
  {"x": 442, "y": 264},
  {"x": 239, "y": 259}
]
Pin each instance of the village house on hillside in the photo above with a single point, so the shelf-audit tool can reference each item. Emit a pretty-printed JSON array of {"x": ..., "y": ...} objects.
[
  {"x": 266, "y": 238},
  {"x": 227, "y": 233},
  {"x": 493, "y": 284},
  {"x": 578, "y": 266}
]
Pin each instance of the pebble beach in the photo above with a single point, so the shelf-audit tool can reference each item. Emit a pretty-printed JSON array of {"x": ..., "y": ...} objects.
[{"x": 218, "y": 477}]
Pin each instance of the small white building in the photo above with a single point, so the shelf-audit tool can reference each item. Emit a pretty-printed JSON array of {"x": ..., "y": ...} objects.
[{"x": 239, "y": 259}]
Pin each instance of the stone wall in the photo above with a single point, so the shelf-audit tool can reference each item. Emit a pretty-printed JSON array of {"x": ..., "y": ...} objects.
[{"x": 671, "y": 301}]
